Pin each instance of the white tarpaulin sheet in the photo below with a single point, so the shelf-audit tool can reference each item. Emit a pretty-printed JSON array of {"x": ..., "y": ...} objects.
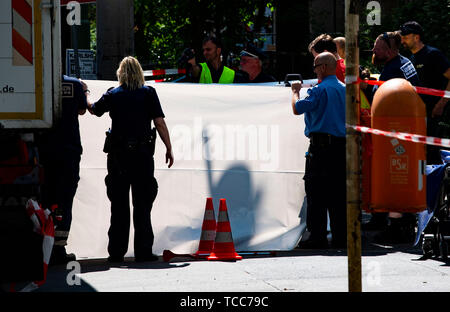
[{"x": 237, "y": 142}]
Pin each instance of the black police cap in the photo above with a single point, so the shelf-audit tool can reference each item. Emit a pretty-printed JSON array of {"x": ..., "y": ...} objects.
[
  {"x": 411, "y": 27},
  {"x": 252, "y": 51}
]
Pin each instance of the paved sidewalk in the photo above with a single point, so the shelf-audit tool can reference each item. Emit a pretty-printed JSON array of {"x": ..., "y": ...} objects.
[{"x": 384, "y": 269}]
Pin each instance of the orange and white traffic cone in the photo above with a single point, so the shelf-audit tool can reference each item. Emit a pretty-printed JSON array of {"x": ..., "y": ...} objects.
[
  {"x": 208, "y": 231},
  {"x": 223, "y": 244}
]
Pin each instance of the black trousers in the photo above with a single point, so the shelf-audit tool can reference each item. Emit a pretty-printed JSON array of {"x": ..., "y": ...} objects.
[
  {"x": 61, "y": 176},
  {"x": 131, "y": 168},
  {"x": 325, "y": 186}
]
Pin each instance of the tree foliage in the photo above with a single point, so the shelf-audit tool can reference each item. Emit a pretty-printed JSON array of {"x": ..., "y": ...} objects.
[{"x": 164, "y": 28}]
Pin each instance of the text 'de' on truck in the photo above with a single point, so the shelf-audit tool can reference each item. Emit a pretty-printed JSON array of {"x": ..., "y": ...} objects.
[{"x": 30, "y": 74}]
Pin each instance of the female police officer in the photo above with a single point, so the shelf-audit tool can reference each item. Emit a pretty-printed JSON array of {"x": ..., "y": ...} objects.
[{"x": 130, "y": 147}]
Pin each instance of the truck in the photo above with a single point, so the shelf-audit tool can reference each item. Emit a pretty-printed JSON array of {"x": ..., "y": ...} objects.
[{"x": 30, "y": 104}]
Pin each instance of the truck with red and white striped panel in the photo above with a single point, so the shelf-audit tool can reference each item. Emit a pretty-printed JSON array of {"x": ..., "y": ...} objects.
[{"x": 30, "y": 104}]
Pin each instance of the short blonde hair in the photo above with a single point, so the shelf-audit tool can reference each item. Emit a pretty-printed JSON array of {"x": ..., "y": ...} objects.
[
  {"x": 340, "y": 42},
  {"x": 340, "y": 45},
  {"x": 130, "y": 73}
]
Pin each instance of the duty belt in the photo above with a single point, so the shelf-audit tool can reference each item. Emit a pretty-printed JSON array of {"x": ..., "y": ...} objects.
[
  {"x": 118, "y": 143},
  {"x": 318, "y": 138}
]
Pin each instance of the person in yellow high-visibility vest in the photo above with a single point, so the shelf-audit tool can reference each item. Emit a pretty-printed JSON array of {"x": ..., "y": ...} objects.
[
  {"x": 365, "y": 100},
  {"x": 213, "y": 70}
]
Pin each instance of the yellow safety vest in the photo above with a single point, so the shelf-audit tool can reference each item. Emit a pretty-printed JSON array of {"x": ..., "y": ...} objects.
[
  {"x": 364, "y": 110},
  {"x": 364, "y": 101},
  {"x": 226, "y": 77}
]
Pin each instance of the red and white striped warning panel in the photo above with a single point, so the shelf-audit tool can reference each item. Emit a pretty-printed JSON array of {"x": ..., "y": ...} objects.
[
  {"x": 22, "y": 38},
  {"x": 160, "y": 72},
  {"x": 404, "y": 136}
]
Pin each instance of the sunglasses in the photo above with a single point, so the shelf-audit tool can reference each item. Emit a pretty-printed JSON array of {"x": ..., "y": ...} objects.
[
  {"x": 387, "y": 39},
  {"x": 317, "y": 65}
]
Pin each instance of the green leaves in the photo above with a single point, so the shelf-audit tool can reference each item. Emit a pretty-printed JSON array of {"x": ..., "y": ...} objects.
[{"x": 164, "y": 28}]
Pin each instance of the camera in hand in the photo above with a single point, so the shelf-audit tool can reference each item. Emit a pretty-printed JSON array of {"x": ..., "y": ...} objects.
[{"x": 185, "y": 57}]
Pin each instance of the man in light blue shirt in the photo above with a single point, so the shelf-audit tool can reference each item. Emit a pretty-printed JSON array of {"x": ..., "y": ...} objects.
[
  {"x": 325, "y": 172},
  {"x": 319, "y": 115}
]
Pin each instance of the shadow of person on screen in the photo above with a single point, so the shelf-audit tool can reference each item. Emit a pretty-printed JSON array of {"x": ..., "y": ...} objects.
[{"x": 236, "y": 186}]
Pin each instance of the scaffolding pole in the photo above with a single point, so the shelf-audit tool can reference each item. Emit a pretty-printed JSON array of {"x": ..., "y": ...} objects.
[{"x": 353, "y": 146}]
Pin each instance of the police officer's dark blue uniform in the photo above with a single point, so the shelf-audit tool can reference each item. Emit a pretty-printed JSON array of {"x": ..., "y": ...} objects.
[
  {"x": 130, "y": 164},
  {"x": 60, "y": 154},
  {"x": 433, "y": 69},
  {"x": 400, "y": 67}
]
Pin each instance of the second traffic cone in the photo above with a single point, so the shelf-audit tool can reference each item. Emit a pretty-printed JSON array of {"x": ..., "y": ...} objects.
[
  {"x": 208, "y": 231},
  {"x": 223, "y": 244}
]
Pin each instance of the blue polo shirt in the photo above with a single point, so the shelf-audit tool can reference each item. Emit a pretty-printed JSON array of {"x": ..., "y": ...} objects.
[{"x": 324, "y": 108}]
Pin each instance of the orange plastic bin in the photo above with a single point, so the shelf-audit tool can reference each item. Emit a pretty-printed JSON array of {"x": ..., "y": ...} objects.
[{"x": 398, "y": 181}]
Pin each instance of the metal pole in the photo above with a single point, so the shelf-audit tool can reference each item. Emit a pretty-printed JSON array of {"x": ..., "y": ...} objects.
[
  {"x": 75, "y": 49},
  {"x": 353, "y": 146}
]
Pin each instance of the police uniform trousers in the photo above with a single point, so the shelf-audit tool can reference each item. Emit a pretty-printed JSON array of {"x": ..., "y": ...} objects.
[
  {"x": 131, "y": 168},
  {"x": 325, "y": 186},
  {"x": 61, "y": 176}
]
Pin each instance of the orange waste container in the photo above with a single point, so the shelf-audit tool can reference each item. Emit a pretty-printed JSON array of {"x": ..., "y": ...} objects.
[{"x": 398, "y": 181}]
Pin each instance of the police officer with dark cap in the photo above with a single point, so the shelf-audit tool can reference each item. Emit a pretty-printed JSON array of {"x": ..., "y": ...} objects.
[
  {"x": 60, "y": 154},
  {"x": 433, "y": 69},
  {"x": 251, "y": 65},
  {"x": 130, "y": 147}
]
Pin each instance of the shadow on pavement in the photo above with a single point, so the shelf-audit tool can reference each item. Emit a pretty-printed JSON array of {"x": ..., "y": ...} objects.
[{"x": 62, "y": 278}]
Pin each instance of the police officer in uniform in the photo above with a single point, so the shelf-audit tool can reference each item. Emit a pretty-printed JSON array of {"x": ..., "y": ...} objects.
[
  {"x": 433, "y": 69},
  {"x": 251, "y": 64},
  {"x": 130, "y": 147},
  {"x": 60, "y": 154},
  {"x": 395, "y": 65}
]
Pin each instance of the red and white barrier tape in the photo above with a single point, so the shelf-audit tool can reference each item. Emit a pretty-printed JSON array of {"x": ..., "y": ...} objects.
[
  {"x": 404, "y": 136},
  {"x": 420, "y": 90},
  {"x": 42, "y": 224},
  {"x": 159, "y": 72}
]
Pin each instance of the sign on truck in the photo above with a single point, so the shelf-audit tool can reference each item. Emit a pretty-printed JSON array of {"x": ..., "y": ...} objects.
[{"x": 30, "y": 63}]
